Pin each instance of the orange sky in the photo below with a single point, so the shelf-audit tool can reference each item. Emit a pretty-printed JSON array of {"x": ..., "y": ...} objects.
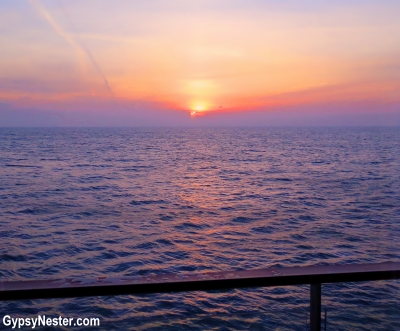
[{"x": 199, "y": 56}]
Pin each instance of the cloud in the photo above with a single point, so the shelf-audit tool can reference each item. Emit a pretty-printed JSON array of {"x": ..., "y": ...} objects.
[
  {"x": 322, "y": 114},
  {"x": 96, "y": 113}
]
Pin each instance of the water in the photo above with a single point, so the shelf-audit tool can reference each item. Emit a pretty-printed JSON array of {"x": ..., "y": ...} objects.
[{"x": 94, "y": 202}]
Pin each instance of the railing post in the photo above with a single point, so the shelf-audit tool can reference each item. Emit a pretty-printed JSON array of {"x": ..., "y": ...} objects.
[{"x": 315, "y": 307}]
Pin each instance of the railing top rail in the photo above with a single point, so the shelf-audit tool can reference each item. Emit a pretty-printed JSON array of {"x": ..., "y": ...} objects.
[{"x": 80, "y": 287}]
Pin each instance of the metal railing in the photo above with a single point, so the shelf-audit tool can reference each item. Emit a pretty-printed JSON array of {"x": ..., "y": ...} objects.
[{"x": 313, "y": 275}]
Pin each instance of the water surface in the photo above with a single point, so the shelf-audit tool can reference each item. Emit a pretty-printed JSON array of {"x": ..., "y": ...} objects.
[{"x": 94, "y": 202}]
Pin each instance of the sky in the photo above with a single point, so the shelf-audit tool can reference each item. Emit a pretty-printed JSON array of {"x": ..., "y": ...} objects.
[{"x": 199, "y": 62}]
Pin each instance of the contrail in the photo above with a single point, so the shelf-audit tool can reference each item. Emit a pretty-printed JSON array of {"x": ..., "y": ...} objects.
[
  {"x": 78, "y": 46},
  {"x": 87, "y": 51}
]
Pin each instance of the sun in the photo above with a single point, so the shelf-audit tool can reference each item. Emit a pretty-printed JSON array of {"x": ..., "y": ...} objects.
[{"x": 198, "y": 108}]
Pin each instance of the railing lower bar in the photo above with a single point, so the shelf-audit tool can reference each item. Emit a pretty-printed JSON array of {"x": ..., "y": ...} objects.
[{"x": 81, "y": 287}]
